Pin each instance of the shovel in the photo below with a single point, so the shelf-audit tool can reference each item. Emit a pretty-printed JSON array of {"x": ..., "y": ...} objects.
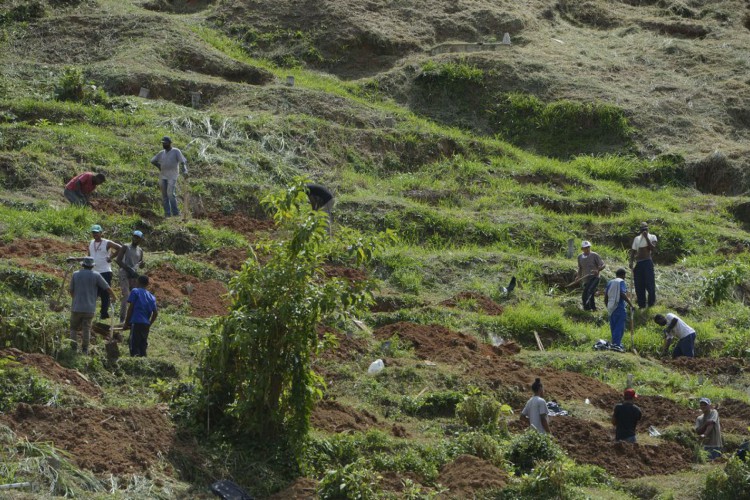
[{"x": 56, "y": 304}]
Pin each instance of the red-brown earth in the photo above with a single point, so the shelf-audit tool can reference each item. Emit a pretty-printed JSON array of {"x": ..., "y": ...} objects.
[
  {"x": 709, "y": 366},
  {"x": 332, "y": 416},
  {"x": 53, "y": 371},
  {"x": 206, "y": 297},
  {"x": 484, "y": 303},
  {"x": 468, "y": 474}
]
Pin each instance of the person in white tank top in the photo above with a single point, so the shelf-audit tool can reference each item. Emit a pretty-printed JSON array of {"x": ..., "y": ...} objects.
[{"x": 99, "y": 250}]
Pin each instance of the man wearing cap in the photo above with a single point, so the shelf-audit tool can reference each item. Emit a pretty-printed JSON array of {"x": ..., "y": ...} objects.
[
  {"x": 84, "y": 287},
  {"x": 708, "y": 427},
  {"x": 615, "y": 297},
  {"x": 626, "y": 416},
  {"x": 643, "y": 271},
  {"x": 99, "y": 250},
  {"x": 589, "y": 267},
  {"x": 129, "y": 259},
  {"x": 78, "y": 189},
  {"x": 168, "y": 162},
  {"x": 675, "y": 327}
]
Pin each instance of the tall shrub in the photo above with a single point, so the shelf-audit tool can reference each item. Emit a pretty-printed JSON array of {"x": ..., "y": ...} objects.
[{"x": 256, "y": 370}]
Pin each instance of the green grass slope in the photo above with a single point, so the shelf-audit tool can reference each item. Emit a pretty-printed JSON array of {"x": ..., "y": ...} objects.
[{"x": 402, "y": 151}]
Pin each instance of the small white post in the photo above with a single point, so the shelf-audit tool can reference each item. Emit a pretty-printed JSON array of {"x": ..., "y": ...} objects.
[
  {"x": 506, "y": 39},
  {"x": 144, "y": 92}
]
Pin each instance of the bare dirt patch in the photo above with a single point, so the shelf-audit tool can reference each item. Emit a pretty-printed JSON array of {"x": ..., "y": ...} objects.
[
  {"x": 332, "y": 416},
  {"x": 37, "y": 267},
  {"x": 349, "y": 347},
  {"x": 346, "y": 273},
  {"x": 656, "y": 410},
  {"x": 228, "y": 259},
  {"x": 302, "y": 488},
  {"x": 494, "y": 365},
  {"x": 247, "y": 226},
  {"x": 206, "y": 297},
  {"x": 42, "y": 247},
  {"x": 112, "y": 206},
  {"x": 590, "y": 443},
  {"x": 709, "y": 366},
  {"x": 110, "y": 440},
  {"x": 484, "y": 303},
  {"x": 53, "y": 371},
  {"x": 468, "y": 474}
]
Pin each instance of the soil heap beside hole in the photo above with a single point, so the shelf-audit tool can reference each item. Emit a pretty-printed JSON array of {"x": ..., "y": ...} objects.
[
  {"x": 484, "y": 303},
  {"x": 53, "y": 371},
  {"x": 656, "y": 410},
  {"x": 468, "y": 474},
  {"x": 332, "y": 416}
]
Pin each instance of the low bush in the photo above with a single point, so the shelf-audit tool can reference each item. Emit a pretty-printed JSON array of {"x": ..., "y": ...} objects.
[
  {"x": 532, "y": 447},
  {"x": 732, "y": 483},
  {"x": 353, "y": 481},
  {"x": 18, "y": 385},
  {"x": 478, "y": 410}
]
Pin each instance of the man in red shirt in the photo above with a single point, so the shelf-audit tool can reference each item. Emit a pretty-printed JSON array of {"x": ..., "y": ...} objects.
[{"x": 78, "y": 189}]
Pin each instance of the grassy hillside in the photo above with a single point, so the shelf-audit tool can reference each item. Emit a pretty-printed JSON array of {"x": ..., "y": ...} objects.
[{"x": 485, "y": 164}]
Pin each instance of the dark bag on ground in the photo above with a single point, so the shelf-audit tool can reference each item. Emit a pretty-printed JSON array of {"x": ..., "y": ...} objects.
[
  {"x": 603, "y": 345},
  {"x": 227, "y": 490}
]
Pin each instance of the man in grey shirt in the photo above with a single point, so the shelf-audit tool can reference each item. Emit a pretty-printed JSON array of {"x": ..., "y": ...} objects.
[
  {"x": 589, "y": 267},
  {"x": 84, "y": 289},
  {"x": 130, "y": 259},
  {"x": 168, "y": 162}
]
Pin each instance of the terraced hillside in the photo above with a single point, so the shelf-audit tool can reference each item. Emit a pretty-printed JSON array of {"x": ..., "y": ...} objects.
[{"x": 484, "y": 162}]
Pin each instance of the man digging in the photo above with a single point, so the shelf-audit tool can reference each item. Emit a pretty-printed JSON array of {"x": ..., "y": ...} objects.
[
  {"x": 84, "y": 289},
  {"x": 675, "y": 327},
  {"x": 590, "y": 264},
  {"x": 708, "y": 427}
]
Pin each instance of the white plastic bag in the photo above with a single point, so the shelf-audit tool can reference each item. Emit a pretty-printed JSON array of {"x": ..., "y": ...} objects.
[{"x": 376, "y": 367}]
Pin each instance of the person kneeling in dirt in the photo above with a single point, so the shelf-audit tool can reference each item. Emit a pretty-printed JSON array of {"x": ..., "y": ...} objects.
[
  {"x": 535, "y": 412},
  {"x": 615, "y": 297},
  {"x": 675, "y": 327},
  {"x": 626, "y": 417},
  {"x": 78, "y": 189},
  {"x": 84, "y": 289},
  {"x": 142, "y": 313},
  {"x": 708, "y": 427},
  {"x": 129, "y": 258}
]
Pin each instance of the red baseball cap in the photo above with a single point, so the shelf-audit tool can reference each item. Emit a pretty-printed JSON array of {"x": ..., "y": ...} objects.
[{"x": 629, "y": 394}]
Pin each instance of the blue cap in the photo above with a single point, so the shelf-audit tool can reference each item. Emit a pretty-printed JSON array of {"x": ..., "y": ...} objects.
[
  {"x": 96, "y": 228},
  {"x": 138, "y": 233}
]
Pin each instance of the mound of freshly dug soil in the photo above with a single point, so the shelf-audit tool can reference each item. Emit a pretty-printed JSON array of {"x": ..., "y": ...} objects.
[
  {"x": 36, "y": 267},
  {"x": 42, "y": 247},
  {"x": 656, "y": 410},
  {"x": 709, "y": 366},
  {"x": 468, "y": 474},
  {"x": 590, "y": 443},
  {"x": 206, "y": 297},
  {"x": 112, "y": 440},
  {"x": 349, "y": 348},
  {"x": 734, "y": 408},
  {"x": 53, "y": 371},
  {"x": 492, "y": 364},
  {"x": 332, "y": 416},
  {"x": 247, "y": 226},
  {"x": 484, "y": 303},
  {"x": 302, "y": 488},
  {"x": 347, "y": 273},
  {"x": 228, "y": 259}
]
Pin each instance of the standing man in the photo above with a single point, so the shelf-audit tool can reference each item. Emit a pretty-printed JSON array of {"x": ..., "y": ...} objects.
[
  {"x": 142, "y": 313},
  {"x": 708, "y": 427},
  {"x": 99, "y": 249},
  {"x": 643, "y": 271},
  {"x": 626, "y": 417},
  {"x": 168, "y": 162},
  {"x": 535, "y": 412},
  {"x": 321, "y": 199},
  {"x": 589, "y": 267},
  {"x": 675, "y": 327},
  {"x": 615, "y": 296},
  {"x": 84, "y": 287},
  {"x": 129, "y": 259},
  {"x": 78, "y": 189}
]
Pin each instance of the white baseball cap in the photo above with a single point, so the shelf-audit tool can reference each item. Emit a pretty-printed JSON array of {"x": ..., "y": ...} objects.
[{"x": 586, "y": 244}]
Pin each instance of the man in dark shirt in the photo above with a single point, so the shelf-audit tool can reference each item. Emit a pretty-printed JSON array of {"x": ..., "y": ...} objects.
[{"x": 626, "y": 417}]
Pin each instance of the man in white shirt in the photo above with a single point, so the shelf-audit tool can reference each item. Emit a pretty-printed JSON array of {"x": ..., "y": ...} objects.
[
  {"x": 168, "y": 162},
  {"x": 675, "y": 327},
  {"x": 99, "y": 250},
  {"x": 535, "y": 412},
  {"x": 643, "y": 270}
]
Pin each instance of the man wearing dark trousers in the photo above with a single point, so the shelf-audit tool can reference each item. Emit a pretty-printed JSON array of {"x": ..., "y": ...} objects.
[
  {"x": 142, "y": 313},
  {"x": 643, "y": 271},
  {"x": 589, "y": 267},
  {"x": 99, "y": 250}
]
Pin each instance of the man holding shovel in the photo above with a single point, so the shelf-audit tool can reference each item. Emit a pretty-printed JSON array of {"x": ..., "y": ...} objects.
[
  {"x": 85, "y": 285},
  {"x": 615, "y": 296},
  {"x": 675, "y": 327},
  {"x": 589, "y": 267},
  {"x": 129, "y": 259}
]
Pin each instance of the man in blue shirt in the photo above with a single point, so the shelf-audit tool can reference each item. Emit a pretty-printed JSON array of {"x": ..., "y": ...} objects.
[
  {"x": 615, "y": 296},
  {"x": 142, "y": 313}
]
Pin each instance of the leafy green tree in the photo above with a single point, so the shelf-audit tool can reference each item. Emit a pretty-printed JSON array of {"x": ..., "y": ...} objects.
[{"x": 256, "y": 371}]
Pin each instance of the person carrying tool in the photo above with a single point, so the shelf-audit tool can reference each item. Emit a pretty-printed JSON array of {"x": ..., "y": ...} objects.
[
  {"x": 78, "y": 189},
  {"x": 142, "y": 313},
  {"x": 708, "y": 427},
  {"x": 675, "y": 327},
  {"x": 535, "y": 412},
  {"x": 615, "y": 296},
  {"x": 590, "y": 264},
  {"x": 321, "y": 199},
  {"x": 99, "y": 249},
  {"x": 85, "y": 285},
  {"x": 129, "y": 259},
  {"x": 643, "y": 270},
  {"x": 168, "y": 162},
  {"x": 626, "y": 417}
]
